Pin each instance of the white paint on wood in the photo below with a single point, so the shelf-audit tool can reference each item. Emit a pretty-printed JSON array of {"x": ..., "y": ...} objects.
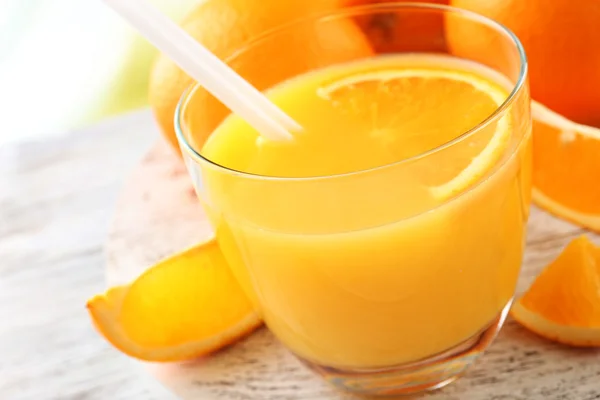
[{"x": 56, "y": 200}]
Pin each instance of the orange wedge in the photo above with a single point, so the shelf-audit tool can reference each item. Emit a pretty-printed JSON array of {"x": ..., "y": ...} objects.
[
  {"x": 566, "y": 167},
  {"x": 185, "y": 307},
  {"x": 563, "y": 304}
]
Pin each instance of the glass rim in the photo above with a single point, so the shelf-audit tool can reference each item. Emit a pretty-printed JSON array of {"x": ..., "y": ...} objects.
[{"x": 345, "y": 13}]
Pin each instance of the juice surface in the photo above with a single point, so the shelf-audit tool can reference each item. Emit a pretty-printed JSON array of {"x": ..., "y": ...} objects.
[
  {"x": 361, "y": 126},
  {"x": 374, "y": 269}
]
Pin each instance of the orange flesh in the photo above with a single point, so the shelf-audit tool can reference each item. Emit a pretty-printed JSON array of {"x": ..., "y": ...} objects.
[
  {"x": 566, "y": 167},
  {"x": 567, "y": 292},
  {"x": 184, "y": 307}
]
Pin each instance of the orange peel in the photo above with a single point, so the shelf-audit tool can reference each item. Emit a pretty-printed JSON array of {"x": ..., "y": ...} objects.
[
  {"x": 563, "y": 303},
  {"x": 185, "y": 307}
]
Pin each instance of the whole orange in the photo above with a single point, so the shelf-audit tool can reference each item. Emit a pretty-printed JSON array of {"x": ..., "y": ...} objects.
[
  {"x": 225, "y": 26},
  {"x": 562, "y": 41}
]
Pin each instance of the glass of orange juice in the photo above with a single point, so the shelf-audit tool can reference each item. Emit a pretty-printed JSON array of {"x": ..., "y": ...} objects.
[{"x": 382, "y": 243}]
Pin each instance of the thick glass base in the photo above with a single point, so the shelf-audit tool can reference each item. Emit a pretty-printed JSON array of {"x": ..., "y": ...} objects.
[{"x": 408, "y": 379}]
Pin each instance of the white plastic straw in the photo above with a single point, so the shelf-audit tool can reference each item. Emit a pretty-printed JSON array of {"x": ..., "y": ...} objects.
[{"x": 199, "y": 63}]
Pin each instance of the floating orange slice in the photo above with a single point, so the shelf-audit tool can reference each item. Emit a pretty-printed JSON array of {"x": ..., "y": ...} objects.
[
  {"x": 436, "y": 101},
  {"x": 563, "y": 304},
  {"x": 184, "y": 307},
  {"x": 566, "y": 167}
]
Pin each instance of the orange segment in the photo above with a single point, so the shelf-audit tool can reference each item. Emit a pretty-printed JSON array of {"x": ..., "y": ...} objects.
[
  {"x": 184, "y": 307},
  {"x": 566, "y": 167},
  {"x": 563, "y": 304}
]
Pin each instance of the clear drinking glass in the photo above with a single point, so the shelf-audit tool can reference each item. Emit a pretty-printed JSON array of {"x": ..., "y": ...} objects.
[{"x": 377, "y": 293}]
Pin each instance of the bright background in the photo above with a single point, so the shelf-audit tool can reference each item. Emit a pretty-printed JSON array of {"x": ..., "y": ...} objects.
[{"x": 68, "y": 63}]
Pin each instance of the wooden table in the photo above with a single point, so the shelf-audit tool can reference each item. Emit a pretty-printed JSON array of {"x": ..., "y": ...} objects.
[{"x": 56, "y": 201}]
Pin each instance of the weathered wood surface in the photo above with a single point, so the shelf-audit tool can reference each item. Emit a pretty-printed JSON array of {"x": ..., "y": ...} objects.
[
  {"x": 157, "y": 215},
  {"x": 56, "y": 199}
]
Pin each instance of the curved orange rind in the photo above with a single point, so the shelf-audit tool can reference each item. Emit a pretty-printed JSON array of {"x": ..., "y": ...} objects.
[
  {"x": 563, "y": 303},
  {"x": 185, "y": 307},
  {"x": 566, "y": 167}
]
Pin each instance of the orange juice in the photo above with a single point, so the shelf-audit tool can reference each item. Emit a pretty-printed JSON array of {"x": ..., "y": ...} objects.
[{"x": 411, "y": 256}]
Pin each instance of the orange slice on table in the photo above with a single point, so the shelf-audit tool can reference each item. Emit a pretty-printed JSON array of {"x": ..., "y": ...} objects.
[
  {"x": 430, "y": 106},
  {"x": 563, "y": 303},
  {"x": 185, "y": 307},
  {"x": 566, "y": 167}
]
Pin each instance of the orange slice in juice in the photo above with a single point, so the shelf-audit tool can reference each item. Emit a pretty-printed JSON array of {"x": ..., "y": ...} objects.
[
  {"x": 566, "y": 167},
  {"x": 563, "y": 303},
  {"x": 182, "y": 308},
  {"x": 428, "y": 107}
]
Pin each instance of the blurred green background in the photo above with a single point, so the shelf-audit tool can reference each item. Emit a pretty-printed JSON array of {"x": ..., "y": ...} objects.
[{"x": 68, "y": 63}]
